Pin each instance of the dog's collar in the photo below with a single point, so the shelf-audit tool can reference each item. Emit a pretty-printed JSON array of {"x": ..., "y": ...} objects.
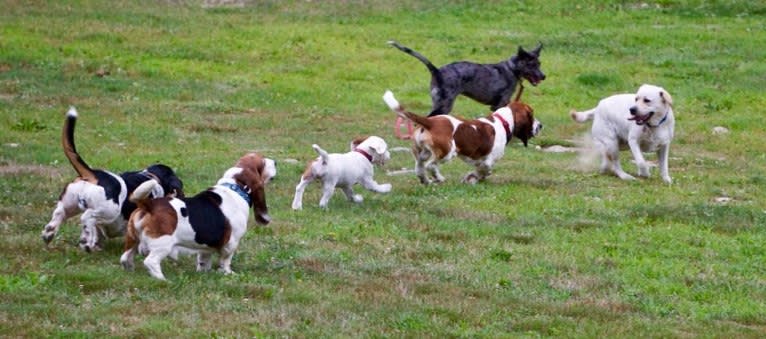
[
  {"x": 659, "y": 123},
  {"x": 362, "y": 152},
  {"x": 506, "y": 125},
  {"x": 239, "y": 190}
]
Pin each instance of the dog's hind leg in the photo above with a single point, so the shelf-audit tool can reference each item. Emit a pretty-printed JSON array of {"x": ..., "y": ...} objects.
[
  {"x": 421, "y": 156},
  {"x": 131, "y": 245},
  {"x": 66, "y": 208},
  {"x": 614, "y": 161},
  {"x": 349, "y": 191},
  {"x": 370, "y": 184},
  {"x": 442, "y": 103},
  {"x": 159, "y": 248},
  {"x": 306, "y": 179},
  {"x": 327, "y": 191}
]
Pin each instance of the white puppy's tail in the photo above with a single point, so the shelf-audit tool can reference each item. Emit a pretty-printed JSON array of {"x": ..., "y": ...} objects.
[
  {"x": 144, "y": 192},
  {"x": 322, "y": 153},
  {"x": 582, "y": 116}
]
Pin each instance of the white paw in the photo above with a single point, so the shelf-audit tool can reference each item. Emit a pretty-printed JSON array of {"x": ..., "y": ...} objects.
[
  {"x": 358, "y": 198},
  {"x": 385, "y": 188}
]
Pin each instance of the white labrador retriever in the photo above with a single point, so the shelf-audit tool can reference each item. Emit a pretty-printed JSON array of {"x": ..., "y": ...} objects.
[{"x": 643, "y": 121}]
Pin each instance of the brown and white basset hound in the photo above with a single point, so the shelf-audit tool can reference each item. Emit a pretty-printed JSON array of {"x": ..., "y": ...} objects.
[
  {"x": 213, "y": 221},
  {"x": 100, "y": 195},
  {"x": 480, "y": 142}
]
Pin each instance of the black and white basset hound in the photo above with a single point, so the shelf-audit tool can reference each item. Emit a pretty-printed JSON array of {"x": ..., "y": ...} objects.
[{"x": 101, "y": 196}]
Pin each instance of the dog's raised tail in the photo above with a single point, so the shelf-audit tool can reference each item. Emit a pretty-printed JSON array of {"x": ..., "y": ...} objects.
[
  {"x": 144, "y": 192},
  {"x": 582, "y": 116},
  {"x": 431, "y": 68},
  {"x": 67, "y": 142},
  {"x": 395, "y": 106},
  {"x": 322, "y": 153}
]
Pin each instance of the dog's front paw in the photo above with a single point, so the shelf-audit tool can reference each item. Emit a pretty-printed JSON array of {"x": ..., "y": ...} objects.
[
  {"x": 357, "y": 198},
  {"x": 471, "y": 178},
  {"x": 297, "y": 207},
  {"x": 48, "y": 233},
  {"x": 643, "y": 170},
  {"x": 667, "y": 179},
  {"x": 385, "y": 188},
  {"x": 626, "y": 176},
  {"x": 126, "y": 264}
]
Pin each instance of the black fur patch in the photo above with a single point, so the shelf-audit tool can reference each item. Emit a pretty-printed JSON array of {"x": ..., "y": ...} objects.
[
  {"x": 207, "y": 219},
  {"x": 110, "y": 184},
  {"x": 132, "y": 181},
  {"x": 184, "y": 212}
]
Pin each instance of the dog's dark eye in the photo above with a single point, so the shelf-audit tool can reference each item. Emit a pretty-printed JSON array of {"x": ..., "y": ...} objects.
[{"x": 646, "y": 100}]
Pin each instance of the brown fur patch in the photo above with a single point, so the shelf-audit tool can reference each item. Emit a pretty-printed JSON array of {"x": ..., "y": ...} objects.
[
  {"x": 474, "y": 139},
  {"x": 358, "y": 141},
  {"x": 523, "y": 120},
  {"x": 252, "y": 165},
  {"x": 158, "y": 218},
  {"x": 308, "y": 173},
  {"x": 440, "y": 136}
]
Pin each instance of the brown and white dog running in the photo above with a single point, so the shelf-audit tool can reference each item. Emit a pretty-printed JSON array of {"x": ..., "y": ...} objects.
[
  {"x": 480, "y": 142},
  {"x": 213, "y": 221},
  {"x": 101, "y": 195}
]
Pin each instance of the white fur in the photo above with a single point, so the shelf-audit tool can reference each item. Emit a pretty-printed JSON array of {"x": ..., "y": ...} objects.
[
  {"x": 612, "y": 129},
  {"x": 344, "y": 171},
  {"x": 100, "y": 217}
]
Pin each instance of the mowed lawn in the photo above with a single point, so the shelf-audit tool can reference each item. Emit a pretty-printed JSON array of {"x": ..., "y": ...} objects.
[{"x": 546, "y": 247}]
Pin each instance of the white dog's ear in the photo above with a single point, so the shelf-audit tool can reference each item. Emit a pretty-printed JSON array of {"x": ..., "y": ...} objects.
[
  {"x": 666, "y": 97},
  {"x": 378, "y": 147}
]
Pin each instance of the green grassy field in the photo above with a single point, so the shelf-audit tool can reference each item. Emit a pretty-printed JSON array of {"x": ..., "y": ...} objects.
[{"x": 545, "y": 247}]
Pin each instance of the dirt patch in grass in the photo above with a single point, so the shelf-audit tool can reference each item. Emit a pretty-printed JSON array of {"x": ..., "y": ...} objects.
[{"x": 12, "y": 169}]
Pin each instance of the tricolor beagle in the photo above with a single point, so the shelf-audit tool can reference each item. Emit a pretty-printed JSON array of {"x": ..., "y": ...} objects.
[
  {"x": 102, "y": 195},
  {"x": 212, "y": 221},
  {"x": 479, "y": 142}
]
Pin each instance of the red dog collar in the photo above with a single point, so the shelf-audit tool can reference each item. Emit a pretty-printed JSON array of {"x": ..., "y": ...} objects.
[
  {"x": 506, "y": 125},
  {"x": 362, "y": 152}
]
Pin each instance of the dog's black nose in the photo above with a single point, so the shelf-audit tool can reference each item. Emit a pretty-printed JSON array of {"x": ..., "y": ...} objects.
[{"x": 633, "y": 110}]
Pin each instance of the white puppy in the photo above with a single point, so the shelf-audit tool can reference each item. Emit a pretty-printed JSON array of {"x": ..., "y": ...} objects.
[
  {"x": 345, "y": 170},
  {"x": 643, "y": 121}
]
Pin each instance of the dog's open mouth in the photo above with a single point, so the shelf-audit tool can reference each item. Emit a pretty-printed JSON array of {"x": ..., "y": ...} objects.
[
  {"x": 641, "y": 119},
  {"x": 534, "y": 80}
]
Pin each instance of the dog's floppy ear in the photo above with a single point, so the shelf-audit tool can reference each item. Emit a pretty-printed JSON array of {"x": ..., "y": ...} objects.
[
  {"x": 379, "y": 147},
  {"x": 666, "y": 98}
]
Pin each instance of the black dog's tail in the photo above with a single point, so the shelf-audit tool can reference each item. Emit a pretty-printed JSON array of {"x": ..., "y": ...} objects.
[
  {"x": 431, "y": 68},
  {"x": 67, "y": 142}
]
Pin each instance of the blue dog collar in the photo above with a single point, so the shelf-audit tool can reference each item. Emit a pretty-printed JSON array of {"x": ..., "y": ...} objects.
[
  {"x": 659, "y": 123},
  {"x": 239, "y": 190}
]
